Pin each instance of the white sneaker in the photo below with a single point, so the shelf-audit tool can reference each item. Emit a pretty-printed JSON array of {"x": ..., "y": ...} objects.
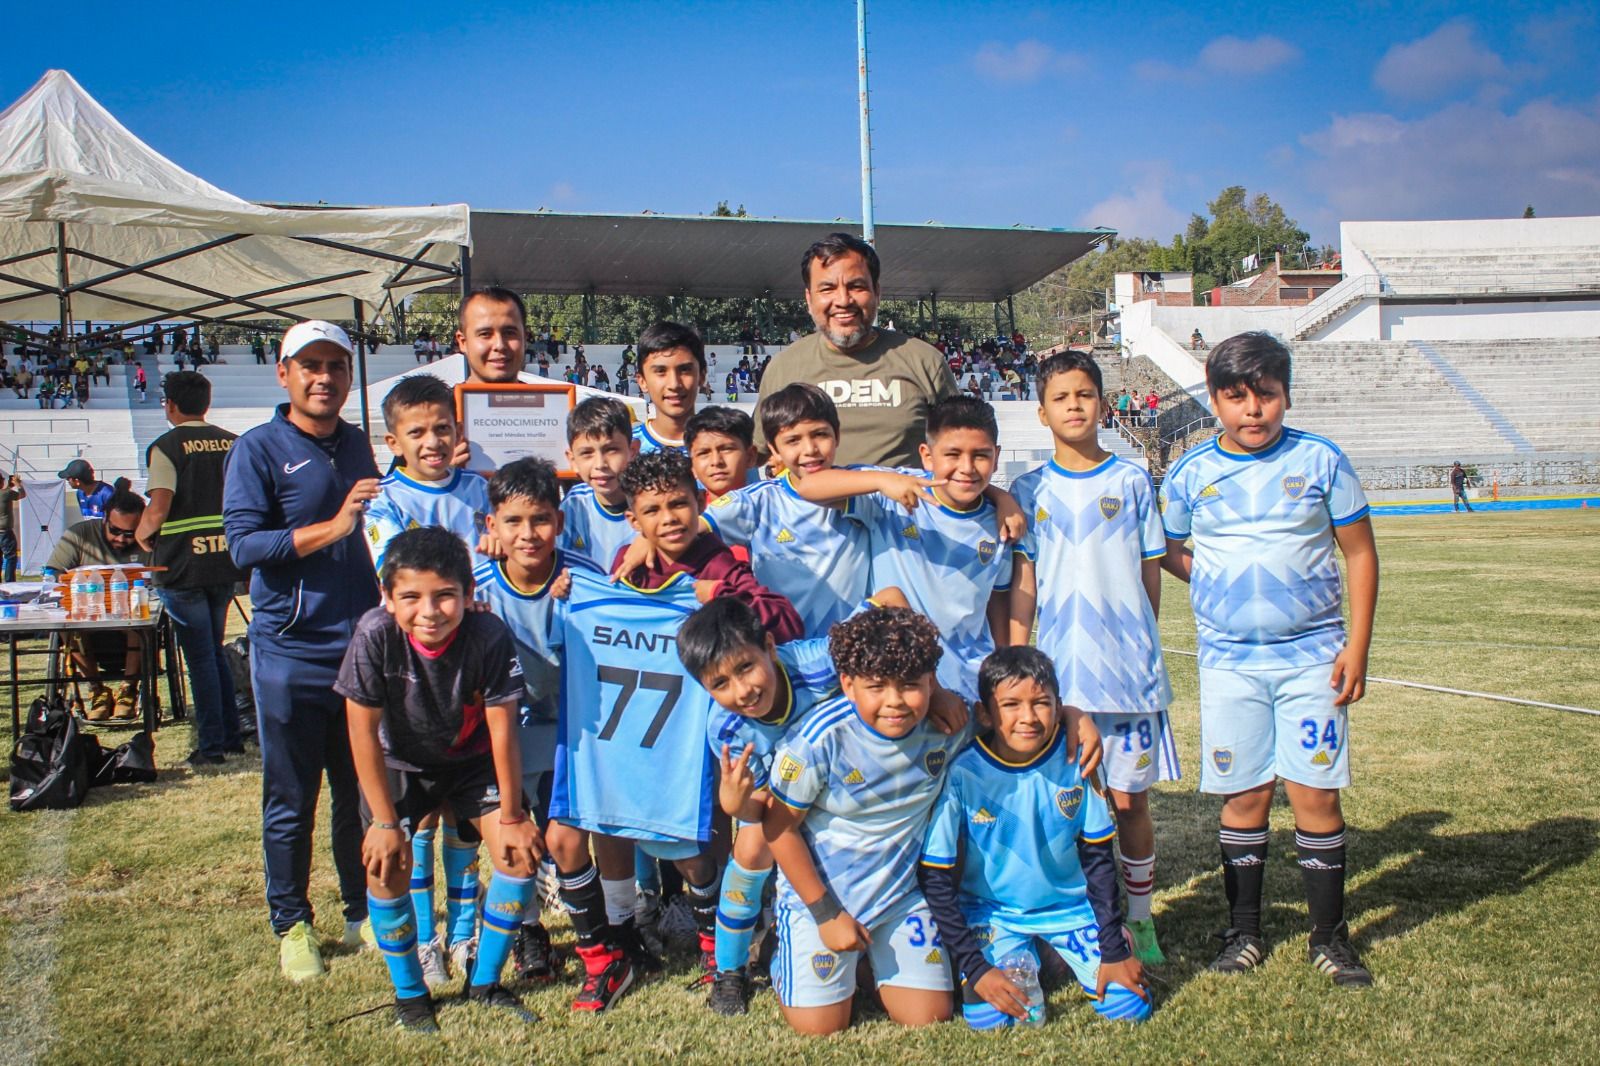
[
  {"x": 431, "y": 954},
  {"x": 358, "y": 935},
  {"x": 462, "y": 955}
]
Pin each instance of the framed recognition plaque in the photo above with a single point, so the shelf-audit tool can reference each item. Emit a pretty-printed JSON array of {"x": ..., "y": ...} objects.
[{"x": 515, "y": 420}]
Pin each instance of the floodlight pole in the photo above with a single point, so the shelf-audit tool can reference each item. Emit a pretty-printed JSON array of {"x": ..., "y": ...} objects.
[{"x": 868, "y": 229}]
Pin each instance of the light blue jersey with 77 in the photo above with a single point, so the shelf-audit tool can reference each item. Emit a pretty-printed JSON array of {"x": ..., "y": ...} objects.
[
  {"x": 1089, "y": 533},
  {"x": 1265, "y": 584},
  {"x": 808, "y": 678},
  {"x": 948, "y": 563},
  {"x": 459, "y": 503},
  {"x": 631, "y": 755},
  {"x": 591, "y": 529},
  {"x": 866, "y": 799},
  {"x": 1015, "y": 828},
  {"x": 806, "y": 551}
]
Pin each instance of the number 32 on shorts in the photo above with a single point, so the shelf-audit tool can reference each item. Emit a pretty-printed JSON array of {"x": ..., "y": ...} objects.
[{"x": 1319, "y": 733}]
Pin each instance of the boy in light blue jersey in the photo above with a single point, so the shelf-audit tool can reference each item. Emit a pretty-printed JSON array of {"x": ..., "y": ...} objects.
[
  {"x": 1020, "y": 847},
  {"x": 1092, "y": 568},
  {"x": 1266, "y": 505},
  {"x": 935, "y": 535},
  {"x": 853, "y": 787},
  {"x": 672, "y": 367},
  {"x": 764, "y": 690},
  {"x": 424, "y": 489},
  {"x": 807, "y": 551},
  {"x": 595, "y": 512},
  {"x": 524, "y": 588}
]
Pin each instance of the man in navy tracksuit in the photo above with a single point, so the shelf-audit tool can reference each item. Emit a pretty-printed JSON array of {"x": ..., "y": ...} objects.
[{"x": 293, "y": 500}]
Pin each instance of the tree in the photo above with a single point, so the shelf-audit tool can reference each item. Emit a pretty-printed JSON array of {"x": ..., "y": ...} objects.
[
  {"x": 1527, "y": 212},
  {"x": 722, "y": 211}
]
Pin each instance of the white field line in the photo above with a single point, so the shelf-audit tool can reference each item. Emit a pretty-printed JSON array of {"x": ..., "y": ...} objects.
[
  {"x": 26, "y": 1027},
  {"x": 1452, "y": 691}
]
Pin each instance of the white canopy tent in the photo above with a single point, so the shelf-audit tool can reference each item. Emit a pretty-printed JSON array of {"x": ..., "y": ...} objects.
[{"x": 97, "y": 225}]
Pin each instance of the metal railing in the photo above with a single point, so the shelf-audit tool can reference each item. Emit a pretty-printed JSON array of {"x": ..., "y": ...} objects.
[
  {"x": 1207, "y": 422},
  {"x": 1336, "y": 299},
  {"x": 1126, "y": 432}
]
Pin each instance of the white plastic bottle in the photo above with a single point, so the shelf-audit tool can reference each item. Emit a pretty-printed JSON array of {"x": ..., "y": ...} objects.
[
  {"x": 77, "y": 586},
  {"x": 1023, "y": 972},
  {"x": 94, "y": 603},
  {"x": 119, "y": 595}
]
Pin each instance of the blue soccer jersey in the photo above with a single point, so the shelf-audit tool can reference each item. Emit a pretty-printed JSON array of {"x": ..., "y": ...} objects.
[
  {"x": 1265, "y": 584},
  {"x": 592, "y": 530},
  {"x": 948, "y": 563},
  {"x": 649, "y": 442},
  {"x": 810, "y": 553},
  {"x": 866, "y": 799},
  {"x": 1089, "y": 534},
  {"x": 631, "y": 757},
  {"x": 807, "y": 678},
  {"x": 459, "y": 503},
  {"x": 1015, "y": 828}
]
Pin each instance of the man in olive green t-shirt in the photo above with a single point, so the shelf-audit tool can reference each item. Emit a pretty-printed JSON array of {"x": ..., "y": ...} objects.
[{"x": 882, "y": 382}]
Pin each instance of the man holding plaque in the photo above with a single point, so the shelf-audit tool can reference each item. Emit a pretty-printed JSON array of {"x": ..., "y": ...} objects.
[{"x": 493, "y": 335}]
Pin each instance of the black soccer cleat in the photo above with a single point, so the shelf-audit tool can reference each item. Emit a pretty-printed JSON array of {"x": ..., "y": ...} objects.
[
  {"x": 415, "y": 1015},
  {"x": 498, "y": 997},
  {"x": 1338, "y": 959},
  {"x": 1240, "y": 952},
  {"x": 630, "y": 939},
  {"x": 533, "y": 957},
  {"x": 601, "y": 990},
  {"x": 730, "y": 993}
]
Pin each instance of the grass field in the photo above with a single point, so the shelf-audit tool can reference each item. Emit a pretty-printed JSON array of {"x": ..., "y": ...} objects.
[{"x": 133, "y": 929}]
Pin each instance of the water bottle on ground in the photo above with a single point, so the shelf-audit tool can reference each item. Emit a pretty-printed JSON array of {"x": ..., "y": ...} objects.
[
  {"x": 1023, "y": 971},
  {"x": 119, "y": 595}
]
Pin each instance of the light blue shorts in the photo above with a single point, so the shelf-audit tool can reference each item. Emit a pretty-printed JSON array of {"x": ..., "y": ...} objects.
[
  {"x": 1079, "y": 947},
  {"x": 1139, "y": 750},
  {"x": 1257, "y": 725},
  {"x": 905, "y": 953},
  {"x": 670, "y": 850}
]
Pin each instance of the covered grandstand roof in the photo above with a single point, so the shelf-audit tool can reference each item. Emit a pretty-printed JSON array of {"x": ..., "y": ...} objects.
[{"x": 671, "y": 255}]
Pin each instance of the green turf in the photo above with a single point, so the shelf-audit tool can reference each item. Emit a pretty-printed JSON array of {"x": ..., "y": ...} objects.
[{"x": 1473, "y": 893}]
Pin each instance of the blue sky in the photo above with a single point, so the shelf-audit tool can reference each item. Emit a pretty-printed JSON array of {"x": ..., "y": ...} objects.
[{"x": 1124, "y": 115}]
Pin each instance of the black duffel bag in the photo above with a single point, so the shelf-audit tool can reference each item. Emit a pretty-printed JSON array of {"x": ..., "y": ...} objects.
[
  {"x": 132, "y": 762},
  {"x": 51, "y": 762}
]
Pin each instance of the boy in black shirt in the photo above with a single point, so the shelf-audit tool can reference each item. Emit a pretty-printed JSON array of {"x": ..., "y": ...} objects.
[{"x": 432, "y": 691}]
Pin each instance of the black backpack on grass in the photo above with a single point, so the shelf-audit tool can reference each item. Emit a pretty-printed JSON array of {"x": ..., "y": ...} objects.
[{"x": 51, "y": 762}]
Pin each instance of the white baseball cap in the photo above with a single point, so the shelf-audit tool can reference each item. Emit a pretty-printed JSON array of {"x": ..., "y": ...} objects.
[{"x": 303, "y": 333}]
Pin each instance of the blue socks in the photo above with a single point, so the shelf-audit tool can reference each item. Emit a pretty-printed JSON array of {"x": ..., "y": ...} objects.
[
  {"x": 503, "y": 908},
  {"x": 422, "y": 882},
  {"x": 396, "y": 929},
  {"x": 461, "y": 886},
  {"x": 737, "y": 912}
]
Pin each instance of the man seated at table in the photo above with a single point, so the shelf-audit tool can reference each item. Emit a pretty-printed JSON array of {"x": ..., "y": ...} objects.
[{"x": 104, "y": 542}]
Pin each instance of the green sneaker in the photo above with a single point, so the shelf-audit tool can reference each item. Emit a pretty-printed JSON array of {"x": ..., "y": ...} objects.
[
  {"x": 1145, "y": 948},
  {"x": 298, "y": 954},
  {"x": 358, "y": 935}
]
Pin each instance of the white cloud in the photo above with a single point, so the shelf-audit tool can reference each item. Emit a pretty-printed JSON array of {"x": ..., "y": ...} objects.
[
  {"x": 1144, "y": 210},
  {"x": 1466, "y": 160},
  {"x": 1026, "y": 61},
  {"x": 1229, "y": 56},
  {"x": 1431, "y": 66}
]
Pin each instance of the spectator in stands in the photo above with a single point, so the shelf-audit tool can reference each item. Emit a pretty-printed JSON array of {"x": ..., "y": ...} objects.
[
  {"x": 22, "y": 380},
  {"x": 182, "y": 530},
  {"x": 82, "y": 390},
  {"x": 1152, "y": 402},
  {"x": 105, "y": 541},
  {"x": 1458, "y": 488},
  {"x": 973, "y": 388},
  {"x": 13, "y": 491},
  {"x": 93, "y": 494},
  {"x": 1196, "y": 342},
  {"x": 100, "y": 370},
  {"x": 140, "y": 382},
  {"x": 258, "y": 348},
  {"x": 292, "y": 507},
  {"x": 602, "y": 380},
  {"x": 883, "y": 383}
]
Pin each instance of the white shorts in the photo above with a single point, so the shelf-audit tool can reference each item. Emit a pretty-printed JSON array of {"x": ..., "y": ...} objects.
[
  {"x": 1257, "y": 725},
  {"x": 1139, "y": 750},
  {"x": 905, "y": 953}
]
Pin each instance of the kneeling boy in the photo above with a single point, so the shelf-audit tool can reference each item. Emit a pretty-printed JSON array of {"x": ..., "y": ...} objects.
[
  {"x": 1021, "y": 847},
  {"x": 854, "y": 787},
  {"x": 431, "y": 692}
]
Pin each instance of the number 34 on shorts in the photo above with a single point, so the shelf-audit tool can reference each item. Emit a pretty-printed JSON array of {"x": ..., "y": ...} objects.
[{"x": 1259, "y": 724}]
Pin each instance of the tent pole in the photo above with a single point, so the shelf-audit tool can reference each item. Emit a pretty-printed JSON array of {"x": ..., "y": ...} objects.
[
  {"x": 65, "y": 310},
  {"x": 361, "y": 364},
  {"x": 466, "y": 274}
]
